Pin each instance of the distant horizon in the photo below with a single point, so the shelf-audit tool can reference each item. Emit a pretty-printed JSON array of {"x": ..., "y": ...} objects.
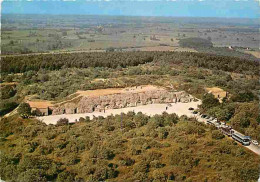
[
  {"x": 203, "y": 17},
  {"x": 141, "y": 8}
]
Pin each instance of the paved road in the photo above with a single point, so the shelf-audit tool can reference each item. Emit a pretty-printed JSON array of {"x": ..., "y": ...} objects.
[
  {"x": 252, "y": 147},
  {"x": 150, "y": 109}
]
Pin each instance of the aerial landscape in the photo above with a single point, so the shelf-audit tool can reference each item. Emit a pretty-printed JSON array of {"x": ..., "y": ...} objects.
[{"x": 94, "y": 93}]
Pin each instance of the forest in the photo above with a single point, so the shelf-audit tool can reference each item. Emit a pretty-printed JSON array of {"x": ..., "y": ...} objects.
[
  {"x": 131, "y": 147},
  {"x": 20, "y": 64}
]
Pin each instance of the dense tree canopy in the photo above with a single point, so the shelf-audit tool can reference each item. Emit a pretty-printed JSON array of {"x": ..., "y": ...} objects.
[
  {"x": 17, "y": 64},
  {"x": 142, "y": 148},
  {"x": 24, "y": 109},
  {"x": 195, "y": 42}
]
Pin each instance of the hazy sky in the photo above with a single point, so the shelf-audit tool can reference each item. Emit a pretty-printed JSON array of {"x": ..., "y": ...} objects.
[{"x": 189, "y": 8}]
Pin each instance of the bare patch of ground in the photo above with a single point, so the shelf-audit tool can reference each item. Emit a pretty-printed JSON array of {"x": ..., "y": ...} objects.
[
  {"x": 217, "y": 92},
  {"x": 109, "y": 91},
  {"x": 40, "y": 104}
]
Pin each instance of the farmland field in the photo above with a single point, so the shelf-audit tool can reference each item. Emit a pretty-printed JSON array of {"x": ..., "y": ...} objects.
[{"x": 27, "y": 33}]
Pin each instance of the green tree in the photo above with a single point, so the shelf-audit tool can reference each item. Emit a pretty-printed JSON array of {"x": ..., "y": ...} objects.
[
  {"x": 9, "y": 78},
  {"x": 32, "y": 175},
  {"x": 243, "y": 96},
  {"x": 209, "y": 101},
  {"x": 7, "y": 92},
  {"x": 62, "y": 121},
  {"x": 216, "y": 134},
  {"x": 65, "y": 176},
  {"x": 24, "y": 110}
]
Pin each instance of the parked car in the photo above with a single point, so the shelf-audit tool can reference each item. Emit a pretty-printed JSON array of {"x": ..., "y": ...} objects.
[
  {"x": 203, "y": 115},
  {"x": 210, "y": 123},
  {"x": 255, "y": 142},
  {"x": 191, "y": 108},
  {"x": 195, "y": 112},
  {"x": 215, "y": 120},
  {"x": 208, "y": 117},
  {"x": 226, "y": 130},
  {"x": 217, "y": 125}
]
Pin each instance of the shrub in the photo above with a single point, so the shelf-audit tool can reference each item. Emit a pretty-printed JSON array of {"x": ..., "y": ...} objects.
[
  {"x": 216, "y": 134},
  {"x": 158, "y": 176},
  {"x": 81, "y": 119},
  {"x": 65, "y": 176},
  {"x": 6, "y": 107},
  {"x": 7, "y": 92},
  {"x": 243, "y": 96},
  {"x": 32, "y": 175},
  {"x": 24, "y": 109},
  {"x": 141, "y": 166},
  {"x": 209, "y": 101},
  {"x": 62, "y": 121},
  {"x": 140, "y": 119},
  {"x": 126, "y": 161},
  {"x": 156, "y": 164}
]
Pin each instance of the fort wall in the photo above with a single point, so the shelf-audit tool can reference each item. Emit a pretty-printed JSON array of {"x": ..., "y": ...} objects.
[{"x": 100, "y": 103}]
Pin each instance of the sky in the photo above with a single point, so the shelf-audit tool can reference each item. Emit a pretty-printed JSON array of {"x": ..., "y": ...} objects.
[{"x": 174, "y": 8}]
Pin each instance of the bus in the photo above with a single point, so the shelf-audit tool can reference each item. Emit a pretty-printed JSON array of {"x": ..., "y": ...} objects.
[{"x": 244, "y": 140}]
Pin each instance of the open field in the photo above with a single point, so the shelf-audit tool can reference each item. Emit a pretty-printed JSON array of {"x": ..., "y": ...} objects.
[{"x": 119, "y": 33}]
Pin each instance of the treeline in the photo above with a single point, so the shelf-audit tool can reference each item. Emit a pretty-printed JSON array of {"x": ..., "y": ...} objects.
[
  {"x": 69, "y": 60},
  {"x": 18, "y": 64},
  {"x": 211, "y": 61}
]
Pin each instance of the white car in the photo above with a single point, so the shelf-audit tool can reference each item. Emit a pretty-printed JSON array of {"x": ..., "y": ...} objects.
[
  {"x": 217, "y": 125},
  {"x": 255, "y": 142}
]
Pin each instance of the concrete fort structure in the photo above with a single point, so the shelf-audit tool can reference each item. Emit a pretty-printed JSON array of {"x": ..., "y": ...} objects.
[
  {"x": 115, "y": 98},
  {"x": 43, "y": 108}
]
